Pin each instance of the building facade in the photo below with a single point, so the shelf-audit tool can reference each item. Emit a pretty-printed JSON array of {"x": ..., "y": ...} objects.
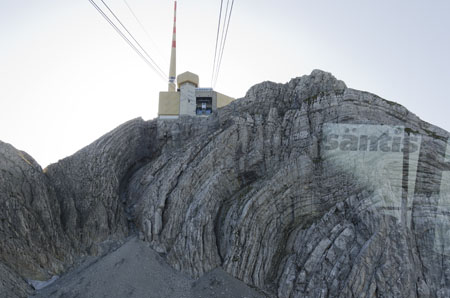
[{"x": 189, "y": 99}]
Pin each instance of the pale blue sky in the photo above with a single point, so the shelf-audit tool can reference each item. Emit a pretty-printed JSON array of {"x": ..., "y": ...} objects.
[{"x": 66, "y": 77}]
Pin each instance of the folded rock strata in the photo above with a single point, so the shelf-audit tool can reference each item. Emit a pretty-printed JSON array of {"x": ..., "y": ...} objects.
[{"x": 304, "y": 189}]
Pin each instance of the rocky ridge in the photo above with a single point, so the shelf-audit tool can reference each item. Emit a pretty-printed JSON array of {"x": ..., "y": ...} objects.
[{"x": 304, "y": 189}]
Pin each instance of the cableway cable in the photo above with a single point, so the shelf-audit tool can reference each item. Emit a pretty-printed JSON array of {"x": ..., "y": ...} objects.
[
  {"x": 129, "y": 33},
  {"x": 221, "y": 41},
  {"x": 226, "y": 26},
  {"x": 143, "y": 27},
  {"x": 217, "y": 41},
  {"x": 126, "y": 39}
]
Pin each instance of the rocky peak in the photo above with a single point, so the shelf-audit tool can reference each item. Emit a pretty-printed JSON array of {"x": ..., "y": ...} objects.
[{"x": 304, "y": 189}]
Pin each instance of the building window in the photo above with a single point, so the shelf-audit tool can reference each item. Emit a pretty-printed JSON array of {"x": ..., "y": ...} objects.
[{"x": 203, "y": 106}]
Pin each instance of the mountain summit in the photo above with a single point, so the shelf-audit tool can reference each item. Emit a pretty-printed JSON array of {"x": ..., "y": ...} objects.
[{"x": 304, "y": 189}]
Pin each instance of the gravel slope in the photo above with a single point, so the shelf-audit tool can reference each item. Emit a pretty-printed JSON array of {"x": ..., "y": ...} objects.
[{"x": 134, "y": 271}]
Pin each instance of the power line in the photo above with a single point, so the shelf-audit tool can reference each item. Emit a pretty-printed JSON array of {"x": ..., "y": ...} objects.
[
  {"x": 217, "y": 41},
  {"x": 224, "y": 39},
  {"x": 143, "y": 28},
  {"x": 221, "y": 40},
  {"x": 224, "y": 42},
  {"x": 125, "y": 38},
  {"x": 129, "y": 33}
]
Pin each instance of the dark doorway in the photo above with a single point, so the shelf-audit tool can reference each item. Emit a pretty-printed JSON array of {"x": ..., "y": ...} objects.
[{"x": 203, "y": 106}]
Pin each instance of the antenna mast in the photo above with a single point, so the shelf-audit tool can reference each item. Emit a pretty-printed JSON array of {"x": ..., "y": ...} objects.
[{"x": 173, "y": 55}]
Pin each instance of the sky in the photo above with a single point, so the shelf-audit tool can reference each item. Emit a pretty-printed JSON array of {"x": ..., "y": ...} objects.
[{"x": 67, "y": 78}]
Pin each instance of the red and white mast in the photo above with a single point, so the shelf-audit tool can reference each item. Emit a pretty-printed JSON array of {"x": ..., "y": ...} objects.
[{"x": 173, "y": 55}]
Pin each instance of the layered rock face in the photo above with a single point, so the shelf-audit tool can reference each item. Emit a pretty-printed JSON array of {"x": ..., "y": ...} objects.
[
  {"x": 88, "y": 184},
  {"x": 50, "y": 219},
  {"x": 307, "y": 189},
  {"x": 32, "y": 241}
]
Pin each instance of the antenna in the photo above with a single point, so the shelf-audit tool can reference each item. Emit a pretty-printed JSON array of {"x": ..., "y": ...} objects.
[{"x": 173, "y": 55}]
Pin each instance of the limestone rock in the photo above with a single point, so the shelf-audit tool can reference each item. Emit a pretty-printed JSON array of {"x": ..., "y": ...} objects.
[
  {"x": 12, "y": 285},
  {"x": 304, "y": 189},
  {"x": 88, "y": 185},
  {"x": 32, "y": 241},
  {"x": 252, "y": 189}
]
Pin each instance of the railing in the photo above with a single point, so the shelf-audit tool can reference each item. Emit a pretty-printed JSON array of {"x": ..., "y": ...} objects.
[{"x": 204, "y": 89}]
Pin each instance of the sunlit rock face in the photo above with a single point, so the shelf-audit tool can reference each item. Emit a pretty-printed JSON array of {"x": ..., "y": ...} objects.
[
  {"x": 304, "y": 189},
  {"x": 32, "y": 241},
  {"x": 88, "y": 185}
]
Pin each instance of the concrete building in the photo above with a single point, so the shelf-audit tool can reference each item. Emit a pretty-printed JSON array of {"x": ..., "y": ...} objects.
[{"x": 188, "y": 99}]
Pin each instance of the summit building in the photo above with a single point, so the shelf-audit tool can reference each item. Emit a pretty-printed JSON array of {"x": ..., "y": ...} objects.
[{"x": 184, "y": 97}]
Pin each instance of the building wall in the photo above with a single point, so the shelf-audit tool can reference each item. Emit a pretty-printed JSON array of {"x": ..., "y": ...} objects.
[
  {"x": 173, "y": 104},
  {"x": 205, "y": 92},
  {"x": 187, "y": 99},
  {"x": 188, "y": 77},
  {"x": 169, "y": 104},
  {"x": 223, "y": 100}
]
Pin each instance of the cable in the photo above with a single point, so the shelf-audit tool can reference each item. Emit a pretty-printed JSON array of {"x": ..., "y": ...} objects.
[
  {"x": 143, "y": 28},
  {"x": 217, "y": 41},
  {"x": 124, "y": 37},
  {"x": 224, "y": 42},
  {"x": 129, "y": 33},
  {"x": 221, "y": 39}
]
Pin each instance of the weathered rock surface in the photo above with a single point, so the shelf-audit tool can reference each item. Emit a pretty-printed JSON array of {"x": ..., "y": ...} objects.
[
  {"x": 88, "y": 184},
  {"x": 49, "y": 219},
  {"x": 254, "y": 191},
  {"x": 32, "y": 241},
  {"x": 304, "y": 189},
  {"x": 12, "y": 285}
]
